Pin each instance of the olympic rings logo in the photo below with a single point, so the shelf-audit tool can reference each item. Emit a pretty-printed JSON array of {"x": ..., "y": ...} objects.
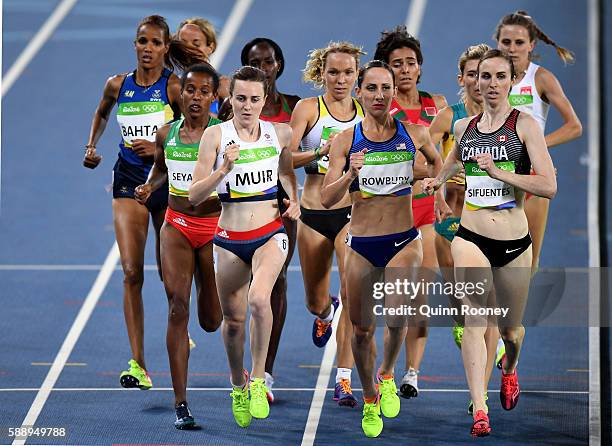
[
  {"x": 519, "y": 100},
  {"x": 398, "y": 157},
  {"x": 264, "y": 153},
  {"x": 149, "y": 108}
]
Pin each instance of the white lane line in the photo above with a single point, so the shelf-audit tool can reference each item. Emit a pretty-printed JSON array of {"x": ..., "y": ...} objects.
[
  {"x": 71, "y": 339},
  {"x": 320, "y": 390},
  {"x": 415, "y": 16},
  {"x": 292, "y": 268},
  {"x": 279, "y": 389},
  {"x": 36, "y": 44},
  {"x": 594, "y": 90},
  {"x": 239, "y": 12}
]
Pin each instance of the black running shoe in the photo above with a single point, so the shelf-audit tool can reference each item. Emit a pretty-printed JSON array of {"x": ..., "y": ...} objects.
[{"x": 184, "y": 420}]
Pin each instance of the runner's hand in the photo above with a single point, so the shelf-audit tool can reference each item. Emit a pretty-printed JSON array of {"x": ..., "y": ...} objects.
[
  {"x": 232, "y": 153},
  {"x": 485, "y": 162},
  {"x": 441, "y": 208},
  {"x": 92, "y": 159},
  {"x": 143, "y": 148},
  {"x": 293, "y": 210},
  {"x": 356, "y": 162},
  {"x": 142, "y": 193}
]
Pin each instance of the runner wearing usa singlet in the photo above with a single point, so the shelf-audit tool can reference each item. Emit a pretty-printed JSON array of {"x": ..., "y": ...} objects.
[
  {"x": 321, "y": 232},
  {"x": 377, "y": 158},
  {"x": 403, "y": 53},
  {"x": 147, "y": 98},
  {"x": 188, "y": 231},
  {"x": 243, "y": 159},
  {"x": 535, "y": 91},
  {"x": 492, "y": 246},
  {"x": 266, "y": 54}
]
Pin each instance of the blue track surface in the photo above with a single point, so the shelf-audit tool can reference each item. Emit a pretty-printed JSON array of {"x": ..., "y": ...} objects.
[{"x": 55, "y": 212}]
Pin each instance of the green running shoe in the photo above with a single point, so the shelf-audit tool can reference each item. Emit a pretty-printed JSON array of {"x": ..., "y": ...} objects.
[
  {"x": 389, "y": 401},
  {"x": 458, "y": 334},
  {"x": 372, "y": 423},
  {"x": 471, "y": 405},
  {"x": 259, "y": 407},
  {"x": 240, "y": 406},
  {"x": 136, "y": 376}
]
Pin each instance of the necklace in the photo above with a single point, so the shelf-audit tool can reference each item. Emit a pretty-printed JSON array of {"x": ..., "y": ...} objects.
[{"x": 186, "y": 134}]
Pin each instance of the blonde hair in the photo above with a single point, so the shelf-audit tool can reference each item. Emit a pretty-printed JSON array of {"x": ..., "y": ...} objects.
[
  {"x": 313, "y": 72},
  {"x": 474, "y": 52},
  {"x": 205, "y": 26},
  {"x": 522, "y": 18}
]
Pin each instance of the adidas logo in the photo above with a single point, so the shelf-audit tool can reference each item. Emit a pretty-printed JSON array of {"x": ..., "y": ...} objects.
[
  {"x": 454, "y": 227},
  {"x": 180, "y": 221},
  {"x": 223, "y": 234},
  {"x": 172, "y": 142}
]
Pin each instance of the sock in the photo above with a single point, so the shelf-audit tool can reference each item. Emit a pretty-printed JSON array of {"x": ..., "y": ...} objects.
[
  {"x": 370, "y": 400},
  {"x": 342, "y": 373},
  {"x": 330, "y": 316}
]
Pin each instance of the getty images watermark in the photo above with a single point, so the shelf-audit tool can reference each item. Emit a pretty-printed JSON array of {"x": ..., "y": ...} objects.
[{"x": 412, "y": 289}]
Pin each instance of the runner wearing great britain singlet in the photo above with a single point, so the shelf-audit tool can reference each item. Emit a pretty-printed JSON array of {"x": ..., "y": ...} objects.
[{"x": 492, "y": 246}]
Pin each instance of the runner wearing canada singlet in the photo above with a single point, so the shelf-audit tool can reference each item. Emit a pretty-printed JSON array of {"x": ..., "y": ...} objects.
[
  {"x": 146, "y": 99},
  {"x": 492, "y": 246},
  {"x": 243, "y": 159},
  {"x": 265, "y": 54},
  {"x": 188, "y": 230},
  {"x": 321, "y": 232},
  {"x": 403, "y": 54},
  {"x": 535, "y": 91}
]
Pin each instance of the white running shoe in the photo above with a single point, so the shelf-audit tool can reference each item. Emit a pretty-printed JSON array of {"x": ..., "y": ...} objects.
[
  {"x": 269, "y": 380},
  {"x": 409, "y": 387}
]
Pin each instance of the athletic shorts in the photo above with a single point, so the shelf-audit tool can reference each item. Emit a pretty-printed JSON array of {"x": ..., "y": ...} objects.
[
  {"x": 127, "y": 176},
  {"x": 197, "y": 230},
  {"x": 423, "y": 210}
]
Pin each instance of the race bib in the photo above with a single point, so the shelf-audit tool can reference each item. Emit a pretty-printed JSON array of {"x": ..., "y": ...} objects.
[
  {"x": 323, "y": 162},
  {"x": 482, "y": 191},
  {"x": 254, "y": 173},
  {"x": 386, "y": 173},
  {"x": 140, "y": 120}
]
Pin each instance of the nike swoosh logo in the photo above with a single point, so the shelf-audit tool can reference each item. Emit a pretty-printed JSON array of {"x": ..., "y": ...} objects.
[
  {"x": 401, "y": 243},
  {"x": 348, "y": 217},
  {"x": 508, "y": 251},
  {"x": 467, "y": 141}
]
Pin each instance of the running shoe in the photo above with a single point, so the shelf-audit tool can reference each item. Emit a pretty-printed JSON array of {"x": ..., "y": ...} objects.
[
  {"x": 322, "y": 331},
  {"x": 259, "y": 406},
  {"x": 136, "y": 376},
  {"x": 509, "y": 391},
  {"x": 240, "y": 403},
  {"x": 481, "y": 427},
  {"x": 184, "y": 419},
  {"x": 500, "y": 353},
  {"x": 372, "y": 423},
  {"x": 409, "y": 388},
  {"x": 344, "y": 394},
  {"x": 389, "y": 401},
  {"x": 458, "y": 334},
  {"x": 471, "y": 404},
  {"x": 269, "y": 380}
]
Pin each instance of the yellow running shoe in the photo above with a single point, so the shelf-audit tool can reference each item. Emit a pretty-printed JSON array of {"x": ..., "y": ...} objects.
[
  {"x": 136, "y": 376},
  {"x": 259, "y": 407},
  {"x": 389, "y": 401},
  {"x": 372, "y": 423},
  {"x": 240, "y": 403}
]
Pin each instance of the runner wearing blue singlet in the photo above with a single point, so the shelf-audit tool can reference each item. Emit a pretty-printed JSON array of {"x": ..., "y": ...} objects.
[
  {"x": 374, "y": 161},
  {"x": 146, "y": 99}
]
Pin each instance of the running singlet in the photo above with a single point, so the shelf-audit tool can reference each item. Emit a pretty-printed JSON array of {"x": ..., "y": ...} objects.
[
  {"x": 255, "y": 173},
  {"x": 424, "y": 116},
  {"x": 459, "y": 112},
  {"x": 181, "y": 159},
  {"x": 140, "y": 112},
  {"x": 318, "y": 135},
  {"x": 284, "y": 115},
  {"x": 524, "y": 97},
  {"x": 509, "y": 154},
  {"x": 387, "y": 168}
]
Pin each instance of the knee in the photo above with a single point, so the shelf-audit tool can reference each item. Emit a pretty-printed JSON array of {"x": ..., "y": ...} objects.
[
  {"x": 259, "y": 305},
  {"x": 233, "y": 326},
  {"x": 133, "y": 275},
  {"x": 512, "y": 334},
  {"x": 210, "y": 323},
  {"x": 362, "y": 335},
  {"x": 178, "y": 312}
]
